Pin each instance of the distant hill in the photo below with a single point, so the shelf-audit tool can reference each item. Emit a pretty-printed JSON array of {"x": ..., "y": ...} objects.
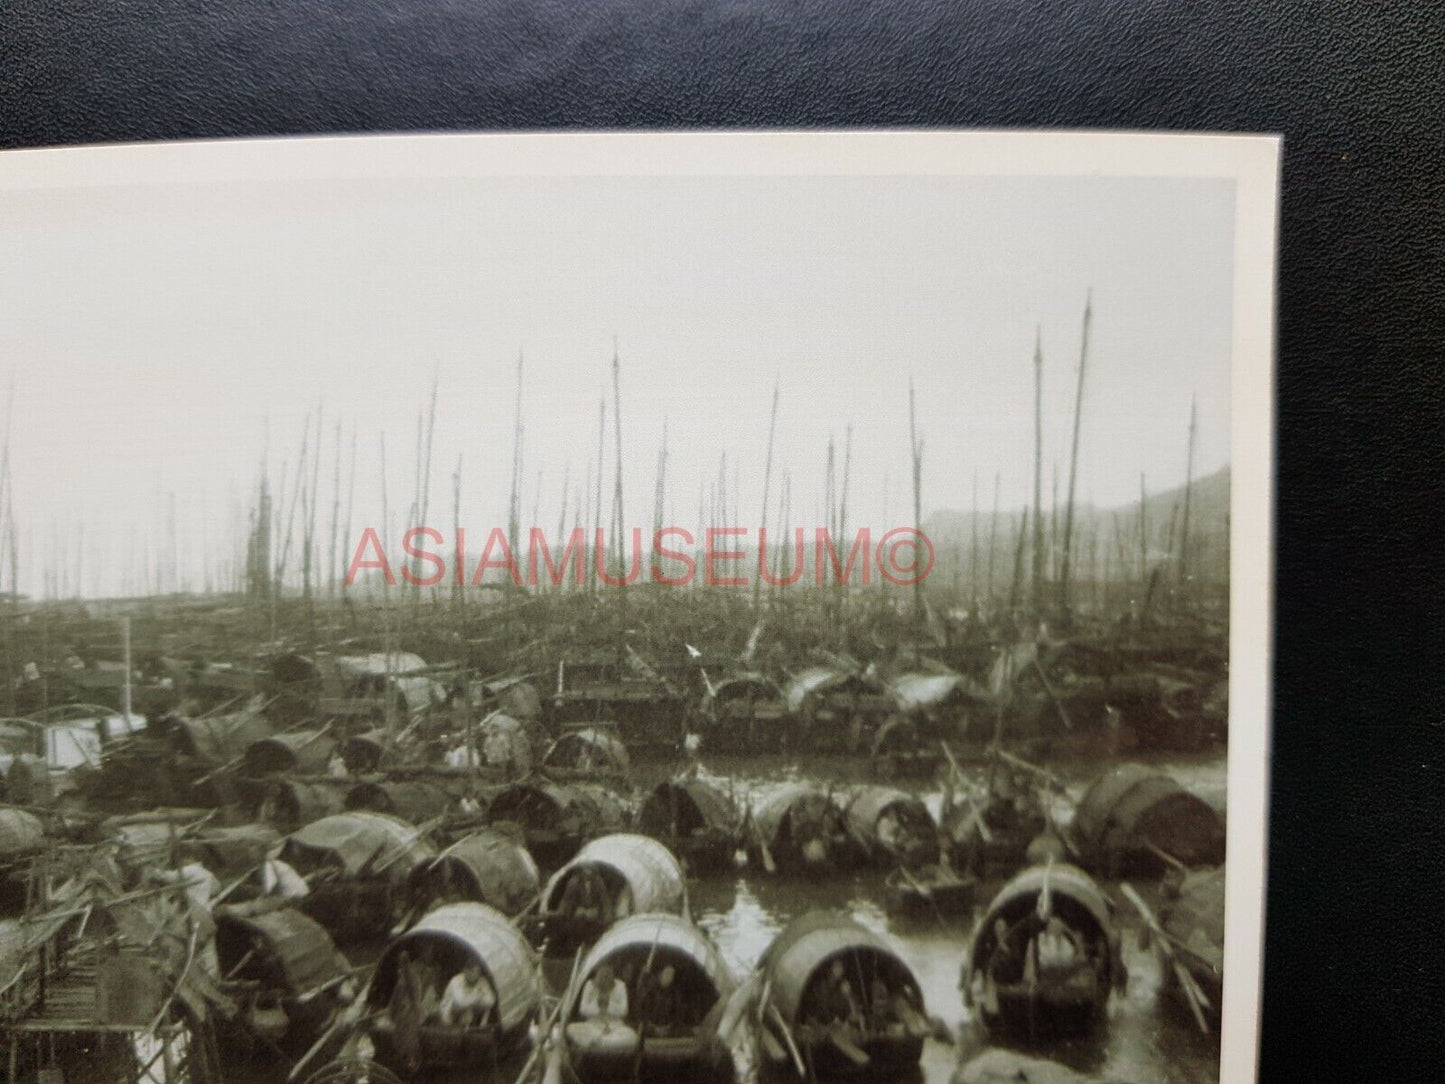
[{"x": 1105, "y": 537}]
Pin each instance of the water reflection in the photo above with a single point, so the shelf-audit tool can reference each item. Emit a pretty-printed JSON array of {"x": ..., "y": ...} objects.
[{"x": 1144, "y": 1040}]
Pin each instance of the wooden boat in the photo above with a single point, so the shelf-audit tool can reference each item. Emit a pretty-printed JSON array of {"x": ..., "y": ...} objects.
[
  {"x": 932, "y": 891},
  {"x": 591, "y": 752},
  {"x": 834, "y": 710},
  {"x": 357, "y": 866},
  {"x": 992, "y": 836},
  {"x": 303, "y": 752},
  {"x": 816, "y": 956},
  {"x": 368, "y": 751},
  {"x": 891, "y": 827},
  {"x": 556, "y": 819},
  {"x": 632, "y": 875},
  {"x": 1193, "y": 928},
  {"x": 211, "y": 741},
  {"x": 743, "y": 713},
  {"x": 487, "y": 866},
  {"x": 696, "y": 819},
  {"x": 411, "y": 800},
  {"x": 420, "y": 962},
  {"x": 899, "y": 751},
  {"x": 637, "y": 950},
  {"x": 1136, "y": 821},
  {"x": 1044, "y": 957},
  {"x": 281, "y": 969},
  {"x": 798, "y": 826},
  {"x": 289, "y": 804}
]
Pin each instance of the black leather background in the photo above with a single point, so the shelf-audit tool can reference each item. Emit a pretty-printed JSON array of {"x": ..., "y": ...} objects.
[{"x": 1355, "y": 907}]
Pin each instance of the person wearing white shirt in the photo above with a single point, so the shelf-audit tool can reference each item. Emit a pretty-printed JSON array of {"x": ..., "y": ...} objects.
[
  {"x": 604, "y": 997},
  {"x": 468, "y": 999}
]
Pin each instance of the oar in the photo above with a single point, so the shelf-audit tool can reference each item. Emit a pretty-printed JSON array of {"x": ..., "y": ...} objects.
[
  {"x": 1192, "y": 993},
  {"x": 551, "y": 1021},
  {"x": 736, "y": 1008},
  {"x": 788, "y": 1039},
  {"x": 983, "y": 831},
  {"x": 763, "y": 848}
]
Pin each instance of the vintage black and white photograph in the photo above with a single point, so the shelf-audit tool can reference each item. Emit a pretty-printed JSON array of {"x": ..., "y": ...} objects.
[{"x": 609, "y": 608}]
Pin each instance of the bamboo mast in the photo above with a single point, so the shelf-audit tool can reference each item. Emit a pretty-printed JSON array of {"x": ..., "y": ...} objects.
[
  {"x": 762, "y": 556},
  {"x": 514, "y": 505},
  {"x": 916, "y": 447},
  {"x": 386, "y": 642},
  {"x": 335, "y": 516},
  {"x": 1143, "y": 531},
  {"x": 1074, "y": 455},
  {"x": 350, "y": 503},
  {"x": 459, "y": 572},
  {"x": 1036, "y": 587},
  {"x": 617, "y": 506},
  {"x": 1188, "y": 491},
  {"x": 431, "y": 425},
  {"x": 993, "y": 535},
  {"x": 973, "y": 552},
  {"x": 598, "y": 553},
  {"x": 562, "y": 515}
]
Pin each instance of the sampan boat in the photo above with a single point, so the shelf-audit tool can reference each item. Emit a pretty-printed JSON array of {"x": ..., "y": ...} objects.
[
  {"x": 611, "y": 878},
  {"x": 556, "y": 819},
  {"x": 1136, "y": 821},
  {"x": 487, "y": 866},
  {"x": 839, "y": 1002},
  {"x": 281, "y": 969},
  {"x": 696, "y": 819},
  {"x": 930, "y": 892},
  {"x": 593, "y": 752},
  {"x": 414, "y": 970},
  {"x": 665, "y": 1035},
  {"x": 798, "y": 826},
  {"x": 357, "y": 866},
  {"x": 891, "y": 828},
  {"x": 1044, "y": 958}
]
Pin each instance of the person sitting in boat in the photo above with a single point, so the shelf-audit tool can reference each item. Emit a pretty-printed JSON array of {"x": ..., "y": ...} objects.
[
  {"x": 892, "y": 1010},
  {"x": 834, "y": 1001},
  {"x": 585, "y": 898},
  {"x": 468, "y": 1000},
  {"x": 604, "y": 996},
  {"x": 1057, "y": 954},
  {"x": 658, "y": 1009}
]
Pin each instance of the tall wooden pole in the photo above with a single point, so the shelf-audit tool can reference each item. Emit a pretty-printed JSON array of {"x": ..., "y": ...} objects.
[
  {"x": 917, "y": 451},
  {"x": 1036, "y": 587},
  {"x": 1074, "y": 455},
  {"x": 617, "y": 429},
  {"x": 1143, "y": 532},
  {"x": 459, "y": 572},
  {"x": 514, "y": 502},
  {"x": 993, "y": 534},
  {"x": 592, "y": 577},
  {"x": 1188, "y": 490},
  {"x": 973, "y": 553},
  {"x": 762, "y": 555}
]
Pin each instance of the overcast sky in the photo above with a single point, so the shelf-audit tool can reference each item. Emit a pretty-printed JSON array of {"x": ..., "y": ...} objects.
[{"x": 157, "y": 335}]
